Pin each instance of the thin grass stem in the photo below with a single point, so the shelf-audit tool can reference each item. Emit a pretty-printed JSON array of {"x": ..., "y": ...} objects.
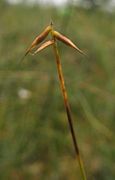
[{"x": 67, "y": 107}]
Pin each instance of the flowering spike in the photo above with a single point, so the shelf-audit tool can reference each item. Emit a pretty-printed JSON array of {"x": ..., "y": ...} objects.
[
  {"x": 67, "y": 41},
  {"x": 43, "y": 46}
]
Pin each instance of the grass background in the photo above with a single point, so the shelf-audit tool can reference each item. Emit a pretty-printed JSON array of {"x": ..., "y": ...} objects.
[{"x": 35, "y": 142}]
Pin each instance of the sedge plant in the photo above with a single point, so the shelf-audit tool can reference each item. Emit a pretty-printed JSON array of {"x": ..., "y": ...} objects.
[{"x": 53, "y": 42}]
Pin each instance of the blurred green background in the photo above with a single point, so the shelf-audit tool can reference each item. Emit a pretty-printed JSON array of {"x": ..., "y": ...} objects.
[{"x": 35, "y": 141}]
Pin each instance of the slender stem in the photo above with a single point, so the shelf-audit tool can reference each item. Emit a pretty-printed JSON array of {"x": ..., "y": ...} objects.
[{"x": 67, "y": 107}]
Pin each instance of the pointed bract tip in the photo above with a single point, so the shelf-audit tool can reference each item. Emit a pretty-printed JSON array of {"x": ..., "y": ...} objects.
[{"x": 51, "y": 23}]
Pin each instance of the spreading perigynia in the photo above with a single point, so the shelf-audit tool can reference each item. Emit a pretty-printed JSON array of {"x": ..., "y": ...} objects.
[
  {"x": 56, "y": 36},
  {"x": 38, "y": 40}
]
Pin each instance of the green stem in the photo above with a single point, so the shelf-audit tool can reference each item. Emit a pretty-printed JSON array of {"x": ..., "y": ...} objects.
[{"x": 67, "y": 107}]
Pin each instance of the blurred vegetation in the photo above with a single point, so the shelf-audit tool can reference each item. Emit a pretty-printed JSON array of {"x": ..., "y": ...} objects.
[
  {"x": 95, "y": 3},
  {"x": 35, "y": 142}
]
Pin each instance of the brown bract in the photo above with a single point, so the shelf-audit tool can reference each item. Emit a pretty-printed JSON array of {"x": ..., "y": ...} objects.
[
  {"x": 66, "y": 41},
  {"x": 43, "y": 46},
  {"x": 39, "y": 39}
]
